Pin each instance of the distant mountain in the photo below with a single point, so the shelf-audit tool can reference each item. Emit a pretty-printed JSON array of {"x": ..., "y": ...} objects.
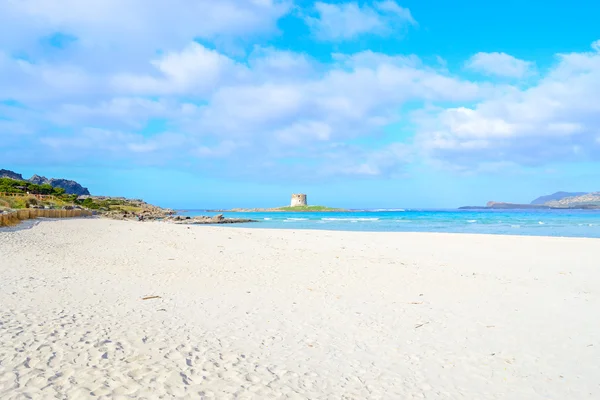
[
  {"x": 4, "y": 173},
  {"x": 71, "y": 187},
  {"x": 555, "y": 197},
  {"x": 562, "y": 200},
  {"x": 586, "y": 199}
]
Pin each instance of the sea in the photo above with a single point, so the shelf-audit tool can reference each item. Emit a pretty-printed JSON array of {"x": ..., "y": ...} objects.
[{"x": 565, "y": 223}]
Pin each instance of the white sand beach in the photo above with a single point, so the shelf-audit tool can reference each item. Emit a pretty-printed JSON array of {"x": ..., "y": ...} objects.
[{"x": 276, "y": 314}]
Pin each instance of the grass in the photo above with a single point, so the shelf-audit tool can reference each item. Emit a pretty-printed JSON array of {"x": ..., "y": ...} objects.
[
  {"x": 18, "y": 202},
  {"x": 310, "y": 208},
  {"x": 125, "y": 208}
]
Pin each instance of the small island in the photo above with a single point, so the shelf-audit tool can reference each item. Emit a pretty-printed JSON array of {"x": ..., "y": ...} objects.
[{"x": 299, "y": 203}]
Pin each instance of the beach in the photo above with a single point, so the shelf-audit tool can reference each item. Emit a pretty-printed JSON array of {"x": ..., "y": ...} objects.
[{"x": 119, "y": 309}]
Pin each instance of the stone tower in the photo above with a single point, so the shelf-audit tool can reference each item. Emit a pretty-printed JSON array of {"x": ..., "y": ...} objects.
[{"x": 298, "y": 200}]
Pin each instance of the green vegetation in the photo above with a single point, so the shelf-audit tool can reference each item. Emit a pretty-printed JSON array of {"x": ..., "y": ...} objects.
[
  {"x": 8, "y": 185},
  {"x": 109, "y": 204},
  {"x": 310, "y": 208},
  {"x": 25, "y": 201},
  {"x": 20, "y": 194}
]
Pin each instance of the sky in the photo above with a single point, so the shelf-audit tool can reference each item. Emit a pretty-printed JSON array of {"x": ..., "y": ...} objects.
[{"x": 360, "y": 104}]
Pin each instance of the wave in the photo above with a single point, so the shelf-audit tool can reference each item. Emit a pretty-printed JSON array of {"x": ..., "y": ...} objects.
[
  {"x": 471, "y": 221},
  {"x": 267, "y": 219},
  {"x": 296, "y": 219}
]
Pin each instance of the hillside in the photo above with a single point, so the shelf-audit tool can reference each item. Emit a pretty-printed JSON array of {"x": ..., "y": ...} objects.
[
  {"x": 555, "y": 197},
  {"x": 69, "y": 186},
  {"x": 592, "y": 199},
  {"x": 16, "y": 194},
  {"x": 588, "y": 201},
  {"x": 39, "y": 192},
  {"x": 5, "y": 173}
]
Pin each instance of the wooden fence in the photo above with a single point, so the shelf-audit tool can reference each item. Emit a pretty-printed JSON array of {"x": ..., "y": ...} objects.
[{"x": 13, "y": 218}]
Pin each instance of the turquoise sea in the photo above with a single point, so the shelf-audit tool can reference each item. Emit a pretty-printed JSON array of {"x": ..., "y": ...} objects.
[{"x": 571, "y": 223}]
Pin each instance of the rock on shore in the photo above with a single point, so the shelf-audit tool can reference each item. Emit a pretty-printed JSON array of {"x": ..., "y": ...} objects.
[
  {"x": 153, "y": 213},
  {"x": 203, "y": 219}
]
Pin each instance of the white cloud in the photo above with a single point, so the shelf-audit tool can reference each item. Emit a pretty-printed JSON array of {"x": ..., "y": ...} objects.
[
  {"x": 354, "y": 99},
  {"x": 387, "y": 161},
  {"x": 196, "y": 70},
  {"x": 500, "y": 64},
  {"x": 24, "y": 80},
  {"x": 302, "y": 131},
  {"x": 118, "y": 112},
  {"x": 558, "y": 119},
  {"x": 173, "y": 101},
  {"x": 104, "y": 146},
  {"x": 136, "y": 23},
  {"x": 281, "y": 65},
  {"x": 279, "y": 104},
  {"x": 349, "y": 20}
]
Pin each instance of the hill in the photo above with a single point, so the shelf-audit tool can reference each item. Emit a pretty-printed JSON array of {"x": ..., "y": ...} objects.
[
  {"x": 555, "y": 197},
  {"x": 16, "y": 194},
  {"x": 69, "y": 187},
  {"x": 587, "y": 199},
  {"x": 5, "y": 173}
]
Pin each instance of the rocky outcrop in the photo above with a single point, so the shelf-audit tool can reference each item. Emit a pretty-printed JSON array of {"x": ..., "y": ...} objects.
[
  {"x": 145, "y": 212},
  {"x": 5, "y": 173},
  {"x": 71, "y": 187},
  {"x": 555, "y": 197},
  {"x": 166, "y": 215},
  {"x": 38, "y": 180}
]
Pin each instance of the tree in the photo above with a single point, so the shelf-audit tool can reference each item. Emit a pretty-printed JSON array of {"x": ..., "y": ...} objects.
[{"x": 46, "y": 189}]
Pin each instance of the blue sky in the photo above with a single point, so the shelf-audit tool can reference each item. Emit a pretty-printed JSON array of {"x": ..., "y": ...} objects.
[{"x": 385, "y": 103}]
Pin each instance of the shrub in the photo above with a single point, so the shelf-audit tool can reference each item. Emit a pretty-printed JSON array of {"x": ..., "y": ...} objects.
[{"x": 31, "y": 201}]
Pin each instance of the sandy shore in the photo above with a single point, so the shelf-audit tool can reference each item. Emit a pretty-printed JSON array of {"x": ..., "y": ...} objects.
[{"x": 269, "y": 314}]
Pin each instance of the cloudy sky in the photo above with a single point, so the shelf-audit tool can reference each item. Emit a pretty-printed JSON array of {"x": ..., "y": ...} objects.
[{"x": 203, "y": 103}]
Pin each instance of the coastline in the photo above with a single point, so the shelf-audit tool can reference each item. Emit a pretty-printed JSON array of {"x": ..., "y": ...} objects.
[
  {"x": 262, "y": 313},
  {"x": 567, "y": 223},
  {"x": 509, "y": 206}
]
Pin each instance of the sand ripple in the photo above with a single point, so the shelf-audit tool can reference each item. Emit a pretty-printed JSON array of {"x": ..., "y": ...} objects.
[{"x": 253, "y": 314}]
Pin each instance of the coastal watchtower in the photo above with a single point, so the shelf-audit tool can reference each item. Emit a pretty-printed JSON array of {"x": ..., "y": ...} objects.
[{"x": 298, "y": 200}]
